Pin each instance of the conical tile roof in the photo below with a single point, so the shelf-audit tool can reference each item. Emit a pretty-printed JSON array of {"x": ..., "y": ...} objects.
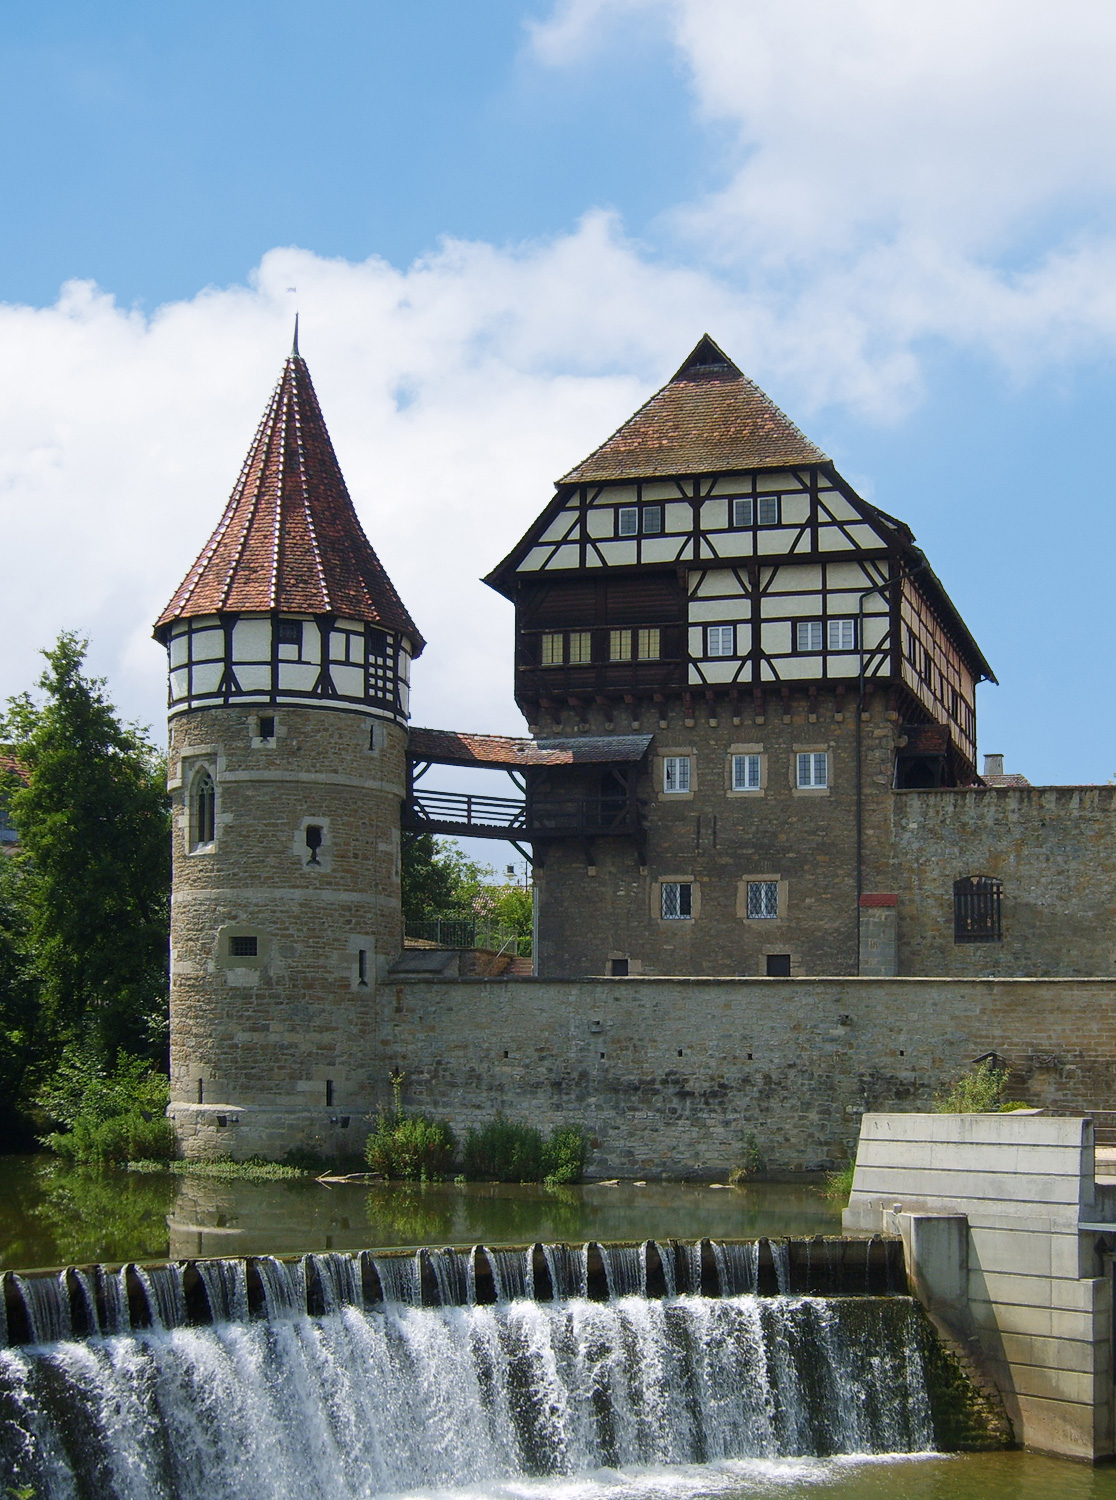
[
  {"x": 708, "y": 418},
  {"x": 289, "y": 538}
]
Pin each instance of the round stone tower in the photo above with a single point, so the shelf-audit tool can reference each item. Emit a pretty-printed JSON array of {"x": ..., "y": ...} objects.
[{"x": 289, "y": 654}]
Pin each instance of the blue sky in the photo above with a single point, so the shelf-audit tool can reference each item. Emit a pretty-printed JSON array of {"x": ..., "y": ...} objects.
[{"x": 504, "y": 225}]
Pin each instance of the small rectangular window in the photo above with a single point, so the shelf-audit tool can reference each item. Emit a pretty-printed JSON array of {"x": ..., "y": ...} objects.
[
  {"x": 243, "y": 947},
  {"x": 619, "y": 968},
  {"x": 778, "y": 966},
  {"x": 652, "y": 520},
  {"x": 720, "y": 640},
  {"x": 581, "y": 646},
  {"x": 620, "y": 645},
  {"x": 677, "y": 900},
  {"x": 912, "y": 647},
  {"x": 813, "y": 768},
  {"x": 288, "y": 633},
  {"x": 627, "y": 520},
  {"x": 362, "y": 967},
  {"x": 377, "y": 643},
  {"x": 267, "y": 726},
  {"x": 747, "y": 773},
  {"x": 842, "y": 635},
  {"x": 649, "y": 644},
  {"x": 767, "y": 510},
  {"x": 743, "y": 511},
  {"x": 808, "y": 635},
  {"x": 552, "y": 652},
  {"x": 329, "y": 1093},
  {"x": 763, "y": 899},
  {"x": 676, "y": 773}
]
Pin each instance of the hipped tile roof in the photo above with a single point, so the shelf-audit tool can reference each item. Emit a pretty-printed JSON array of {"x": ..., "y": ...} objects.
[
  {"x": 289, "y": 538},
  {"x": 708, "y": 418}
]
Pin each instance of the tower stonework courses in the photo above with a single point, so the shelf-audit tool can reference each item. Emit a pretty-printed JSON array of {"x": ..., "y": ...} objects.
[{"x": 289, "y": 655}]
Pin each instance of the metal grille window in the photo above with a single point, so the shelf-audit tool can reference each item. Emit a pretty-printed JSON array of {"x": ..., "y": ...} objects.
[
  {"x": 205, "y": 809},
  {"x": 842, "y": 635},
  {"x": 808, "y": 635},
  {"x": 763, "y": 899},
  {"x": 243, "y": 947},
  {"x": 677, "y": 900},
  {"x": 288, "y": 633},
  {"x": 977, "y": 903},
  {"x": 720, "y": 640},
  {"x": 676, "y": 773},
  {"x": 813, "y": 768},
  {"x": 747, "y": 773}
]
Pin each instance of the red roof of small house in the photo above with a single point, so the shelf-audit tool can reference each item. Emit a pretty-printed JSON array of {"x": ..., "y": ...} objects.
[
  {"x": 709, "y": 417},
  {"x": 290, "y": 539}
]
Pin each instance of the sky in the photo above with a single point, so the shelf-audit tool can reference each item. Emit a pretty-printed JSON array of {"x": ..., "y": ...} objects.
[{"x": 503, "y": 226}]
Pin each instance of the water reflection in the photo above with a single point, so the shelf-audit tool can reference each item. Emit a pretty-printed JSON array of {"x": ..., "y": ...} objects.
[{"x": 51, "y": 1214}]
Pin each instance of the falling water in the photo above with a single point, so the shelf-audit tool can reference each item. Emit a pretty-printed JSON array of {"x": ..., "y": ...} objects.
[
  {"x": 737, "y": 1267},
  {"x": 284, "y": 1286},
  {"x": 693, "y": 1268},
  {"x": 400, "y": 1278},
  {"x": 89, "y": 1297},
  {"x": 666, "y": 1260},
  {"x": 455, "y": 1273},
  {"x": 569, "y": 1270},
  {"x": 339, "y": 1280},
  {"x": 118, "y": 1316},
  {"x": 625, "y": 1268},
  {"x": 358, "y": 1402},
  {"x": 226, "y": 1287},
  {"x": 48, "y": 1306},
  {"x": 513, "y": 1273},
  {"x": 165, "y": 1293},
  {"x": 780, "y": 1256}
]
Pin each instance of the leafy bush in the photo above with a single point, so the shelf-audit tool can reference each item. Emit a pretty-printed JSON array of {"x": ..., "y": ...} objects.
[
  {"x": 566, "y": 1151},
  {"x": 413, "y": 1147},
  {"x": 752, "y": 1163},
  {"x": 505, "y": 1151},
  {"x": 978, "y": 1091},
  {"x": 114, "y": 1114}
]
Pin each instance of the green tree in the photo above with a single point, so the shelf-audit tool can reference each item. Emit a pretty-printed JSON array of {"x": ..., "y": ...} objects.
[
  {"x": 19, "y": 1009},
  {"x": 439, "y": 878},
  {"x": 92, "y": 865}
]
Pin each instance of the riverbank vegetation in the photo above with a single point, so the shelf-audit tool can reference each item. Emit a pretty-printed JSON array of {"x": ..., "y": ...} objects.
[{"x": 979, "y": 1090}]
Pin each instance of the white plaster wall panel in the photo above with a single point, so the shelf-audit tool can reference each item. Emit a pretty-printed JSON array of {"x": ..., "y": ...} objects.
[
  {"x": 714, "y": 514},
  {"x": 721, "y": 669},
  {"x": 705, "y": 548},
  {"x": 207, "y": 645},
  {"x": 715, "y": 609},
  {"x": 178, "y": 685},
  {"x": 560, "y": 527},
  {"x": 847, "y": 666},
  {"x": 534, "y": 560},
  {"x": 775, "y": 636},
  {"x": 717, "y": 581},
  {"x": 252, "y": 640},
  {"x": 592, "y": 560},
  {"x": 297, "y": 677},
  {"x": 693, "y": 676},
  {"x": 767, "y": 672},
  {"x": 832, "y": 539},
  {"x": 254, "y": 679},
  {"x": 795, "y": 579},
  {"x": 876, "y": 628},
  {"x": 567, "y": 556},
  {"x": 207, "y": 678},
  {"x": 600, "y": 523},
  {"x": 837, "y": 506},
  {"x": 349, "y": 680},
  {"x": 695, "y": 641},
  {"x": 660, "y": 491},
  {"x": 792, "y": 604},
  {"x": 177, "y": 650},
  {"x": 356, "y": 626},
  {"x": 733, "y": 544},
  {"x": 660, "y": 549},
  {"x": 679, "y": 516},
  {"x": 864, "y": 536},
  {"x": 800, "y": 668},
  {"x": 796, "y": 509},
  {"x": 848, "y": 575},
  {"x": 615, "y": 494},
  {"x": 619, "y": 554},
  {"x": 767, "y": 484}
]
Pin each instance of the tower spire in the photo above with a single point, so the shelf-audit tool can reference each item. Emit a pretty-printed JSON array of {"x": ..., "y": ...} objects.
[{"x": 294, "y": 345}]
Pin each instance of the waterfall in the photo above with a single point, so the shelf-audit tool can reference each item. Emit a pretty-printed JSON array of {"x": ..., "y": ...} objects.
[
  {"x": 400, "y": 1278},
  {"x": 513, "y": 1273},
  {"x": 47, "y": 1302},
  {"x": 165, "y": 1293},
  {"x": 118, "y": 1317},
  {"x": 357, "y": 1402},
  {"x": 625, "y": 1268},
  {"x": 226, "y": 1289},
  {"x": 569, "y": 1270},
  {"x": 780, "y": 1255},
  {"x": 737, "y": 1267},
  {"x": 456, "y": 1275},
  {"x": 666, "y": 1260}
]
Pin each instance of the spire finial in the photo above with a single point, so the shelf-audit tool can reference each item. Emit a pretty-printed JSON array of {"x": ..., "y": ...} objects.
[{"x": 294, "y": 345}]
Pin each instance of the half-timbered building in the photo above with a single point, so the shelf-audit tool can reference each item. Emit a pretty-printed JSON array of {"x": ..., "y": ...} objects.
[{"x": 708, "y": 578}]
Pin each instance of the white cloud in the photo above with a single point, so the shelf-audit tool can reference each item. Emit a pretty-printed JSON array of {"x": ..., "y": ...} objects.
[{"x": 893, "y": 173}]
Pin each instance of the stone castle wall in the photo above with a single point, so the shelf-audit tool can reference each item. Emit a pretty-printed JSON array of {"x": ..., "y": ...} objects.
[{"x": 671, "y": 1075}]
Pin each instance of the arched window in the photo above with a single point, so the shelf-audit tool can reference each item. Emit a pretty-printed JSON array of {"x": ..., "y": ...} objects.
[
  {"x": 976, "y": 909},
  {"x": 204, "y": 809}
]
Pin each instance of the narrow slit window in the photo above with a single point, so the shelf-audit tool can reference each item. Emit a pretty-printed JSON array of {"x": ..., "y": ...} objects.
[
  {"x": 763, "y": 900},
  {"x": 267, "y": 726},
  {"x": 204, "y": 810},
  {"x": 315, "y": 835},
  {"x": 677, "y": 900},
  {"x": 362, "y": 968}
]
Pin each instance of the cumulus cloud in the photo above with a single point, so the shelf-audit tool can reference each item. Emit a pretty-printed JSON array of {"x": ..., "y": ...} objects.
[{"x": 895, "y": 173}]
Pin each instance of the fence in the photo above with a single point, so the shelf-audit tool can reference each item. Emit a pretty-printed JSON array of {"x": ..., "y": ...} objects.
[{"x": 468, "y": 932}]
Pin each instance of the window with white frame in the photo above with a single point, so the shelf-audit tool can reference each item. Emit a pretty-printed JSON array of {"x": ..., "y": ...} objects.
[
  {"x": 627, "y": 520},
  {"x": 652, "y": 520},
  {"x": 720, "y": 640},
  {"x": 767, "y": 510},
  {"x": 553, "y": 649},
  {"x": 676, "y": 773},
  {"x": 813, "y": 768},
  {"x": 747, "y": 773},
  {"x": 763, "y": 900},
  {"x": 763, "y": 511},
  {"x": 842, "y": 635},
  {"x": 743, "y": 511},
  {"x": 633, "y": 519},
  {"x": 677, "y": 900},
  {"x": 808, "y": 635}
]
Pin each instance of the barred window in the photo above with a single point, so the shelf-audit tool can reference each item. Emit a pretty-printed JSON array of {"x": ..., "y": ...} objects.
[
  {"x": 763, "y": 899},
  {"x": 676, "y": 773},
  {"x": 288, "y": 633},
  {"x": 977, "y": 901},
  {"x": 677, "y": 900},
  {"x": 243, "y": 947}
]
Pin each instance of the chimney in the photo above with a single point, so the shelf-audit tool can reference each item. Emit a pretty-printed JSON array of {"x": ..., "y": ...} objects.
[{"x": 993, "y": 765}]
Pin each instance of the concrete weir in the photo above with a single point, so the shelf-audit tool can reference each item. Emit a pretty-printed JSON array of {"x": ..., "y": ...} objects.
[{"x": 1009, "y": 1243}]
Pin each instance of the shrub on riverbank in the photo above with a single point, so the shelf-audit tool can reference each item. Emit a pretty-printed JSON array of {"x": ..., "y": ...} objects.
[
  {"x": 112, "y": 1114},
  {"x": 224, "y": 1169},
  {"x": 980, "y": 1090},
  {"x": 506, "y": 1151},
  {"x": 412, "y": 1147}
]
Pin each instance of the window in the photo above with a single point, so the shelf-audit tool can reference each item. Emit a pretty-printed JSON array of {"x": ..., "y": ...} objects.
[
  {"x": 267, "y": 726},
  {"x": 329, "y": 1093},
  {"x": 842, "y": 635},
  {"x": 632, "y": 519},
  {"x": 652, "y": 520},
  {"x": 649, "y": 648},
  {"x": 977, "y": 901},
  {"x": 677, "y": 900},
  {"x": 743, "y": 512},
  {"x": 808, "y": 635},
  {"x": 720, "y": 640},
  {"x": 362, "y": 968},
  {"x": 767, "y": 510},
  {"x": 581, "y": 646},
  {"x": 552, "y": 649},
  {"x": 619, "y": 966},
  {"x": 813, "y": 768},
  {"x": 378, "y": 643},
  {"x": 763, "y": 899},
  {"x": 627, "y": 520},
  {"x": 747, "y": 773},
  {"x": 912, "y": 647},
  {"x": 244, "y": 947},
  {"x": 204, "y": 809},
  {"x": 315, "y": 833},
  {"x": 778, "y": 966},
  {"x": 288, "y": 633},
  {"x": 620, "y": 645},
  {"x": 749, "y": 512},
  {"x": 676, "y": 774}
]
